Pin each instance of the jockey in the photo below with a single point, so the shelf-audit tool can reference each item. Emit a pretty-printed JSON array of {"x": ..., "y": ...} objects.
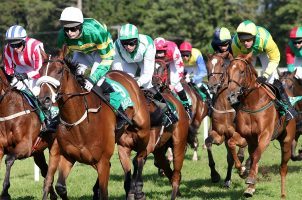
[
  {"x": 90, "y": 44},
  {"x": 169, "y": 52},
  {"x": 195, "y": 65},
  {"x": 22, "y": 62},
  {"x": 294, "y": 51},
  {"x": 222, "y": 40},
  {"x": 256, "y": 39},
  {"x": 135, "y": 54}
]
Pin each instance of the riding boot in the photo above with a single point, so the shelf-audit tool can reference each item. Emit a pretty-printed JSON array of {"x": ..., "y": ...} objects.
[
  {"x": 120, "y": 121},
  {"x": 183, "y": 97},
  {"x": 171, "y": 117},
  {"x": 288, "y": 108}
]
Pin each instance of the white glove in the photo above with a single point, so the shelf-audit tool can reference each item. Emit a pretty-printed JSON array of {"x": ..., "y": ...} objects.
[
  {"x": 188, "y": 78},
  {"x": 88, "y": 85},
  {"x": 81, "y": 69},
  {"x": 17, "y": 84},
  {"x": 298, "y": 74}
]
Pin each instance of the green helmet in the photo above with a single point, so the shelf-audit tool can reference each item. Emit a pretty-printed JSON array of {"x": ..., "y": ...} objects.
[{"x": 128, "y": 31}]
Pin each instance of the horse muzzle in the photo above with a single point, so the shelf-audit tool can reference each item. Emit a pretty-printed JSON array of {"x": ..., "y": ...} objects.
[{"x": 233, "y": 98}]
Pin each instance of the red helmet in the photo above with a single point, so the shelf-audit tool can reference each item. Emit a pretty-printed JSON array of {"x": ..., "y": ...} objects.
[
  {"x": 296, "y": 32},
  {"x": 185, "y": 46},
  {"x": 160, "y": 44}
]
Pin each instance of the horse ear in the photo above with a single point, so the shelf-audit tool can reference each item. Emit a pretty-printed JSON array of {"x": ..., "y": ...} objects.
[
  {"x": 209, "y": 56},
  {"x": 295, "y": 71},
  {"x": 279, "y": 73},
  {"x": 63, "y": 52},
  {"x": 249, "y": 57},
  {"x": 230, "y": 56},
  {"x": 44, "y": 55}
]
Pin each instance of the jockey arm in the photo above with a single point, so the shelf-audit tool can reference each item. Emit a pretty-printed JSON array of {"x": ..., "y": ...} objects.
[
  {"x": 176, "y": 70},
  {"x": 273, "y": 54},
  {"x": 148, "y": 66},
  {"x": 201, "y": 69},
  {"x": 290, "y": 58},
  {"x": 106, "y": 51}
]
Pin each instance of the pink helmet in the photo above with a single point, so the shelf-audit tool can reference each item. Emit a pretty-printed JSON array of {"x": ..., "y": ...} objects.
[
  {"x": 185, "y": 46},
  {"x": 160, "y": 44}
]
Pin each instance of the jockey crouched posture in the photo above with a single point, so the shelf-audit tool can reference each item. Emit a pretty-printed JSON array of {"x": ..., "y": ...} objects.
[
  {"x": 22, "y": 62},
  {"x": 91, "y": 46},
  {"x": 195, "y": 68},
  {"x": 169, "y": 52},
  {"x": 135, "y": 54},
  {"x": 256, "y": 39}
]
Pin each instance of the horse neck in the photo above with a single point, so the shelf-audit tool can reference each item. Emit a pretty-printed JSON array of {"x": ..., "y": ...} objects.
[
  {"x": 256, "y": 97},
  {"x": 221, "y": 102}
]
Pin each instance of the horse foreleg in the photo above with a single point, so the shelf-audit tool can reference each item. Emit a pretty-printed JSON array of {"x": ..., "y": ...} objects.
[
  {"x": 235, "y": 140},
  {"x": 215, "y": 176},
  {"x": 54, "y": 158},
  {"x": 255, "y": 152},
  {"x": 64, "y": 169},
  {"x": 230, "y": 160},
  {"x": 9, "y": 161},
  {"x": 129, "y": 184},
  {"x": 40, "y": 161},
  {"x": 285, "y": 145},
  {"x": 179, "y": 148},
  {"x": 103, "y": 169},
  {"x": 139, "y": 165}
]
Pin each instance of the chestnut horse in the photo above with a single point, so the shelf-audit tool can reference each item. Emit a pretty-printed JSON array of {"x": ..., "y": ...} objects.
[
  {"x": 173, "y": 136},
  {"x": 293, "y": 88},
  {"x": 223, "y": 115},
  {"x": 87, "y": 134},
  {"x": 257, "y": 119},
  {"x": 20, "y": 128},
  {"x": 199, "y": 107}
]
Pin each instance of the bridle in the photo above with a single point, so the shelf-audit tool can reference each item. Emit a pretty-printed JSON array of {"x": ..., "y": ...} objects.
[{"x": 245, "y": 86}]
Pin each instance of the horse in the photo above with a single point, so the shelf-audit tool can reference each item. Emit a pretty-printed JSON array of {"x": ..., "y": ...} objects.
[
  {"x": 20, "y": 133},
  {"x": 199, "y": 107},
  {"x": 223, "y": 115},
  {"x": 173, "y": 136},
  {"x": 293, "y": 88},
  {"x": 257, "y": 119},
  {"x": 87, "y": 134}
]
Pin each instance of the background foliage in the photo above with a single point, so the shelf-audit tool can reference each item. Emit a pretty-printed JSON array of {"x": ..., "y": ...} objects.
[{"x": 178, "y": 20}]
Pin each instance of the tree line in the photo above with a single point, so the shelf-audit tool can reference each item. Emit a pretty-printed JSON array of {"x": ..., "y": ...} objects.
[{"x": 177, "y": 20}]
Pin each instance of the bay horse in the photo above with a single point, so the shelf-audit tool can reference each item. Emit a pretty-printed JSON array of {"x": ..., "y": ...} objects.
[
  {"x": 20, "y": 130},
  {"x": 293, "y": 88},
  {"x": 87, "y": 130},
  {"x": 223, "y": 115},
  {"x": 199, "y": 107},
  {"x": 174, "y": 136},
  {"x": 257, "y": 119}
]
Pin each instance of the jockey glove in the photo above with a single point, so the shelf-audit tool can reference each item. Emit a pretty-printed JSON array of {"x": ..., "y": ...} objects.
[
  {"x": 261, "y": 79},
  {"x": 21, "y": 76}
]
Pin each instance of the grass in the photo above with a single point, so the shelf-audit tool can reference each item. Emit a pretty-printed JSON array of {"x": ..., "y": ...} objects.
[{"x": 196, "y": 183}]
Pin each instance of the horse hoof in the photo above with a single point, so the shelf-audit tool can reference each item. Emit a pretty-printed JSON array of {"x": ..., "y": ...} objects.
[
  {"x": 6, "y": 197},
  {"x": 140, "y": 196},
  {"x": 215, "y": 177},
  {"x": 249, "y": 192},
  {"x": 131, "y": 197},
  {"x": 227, "y": 184},
  {"x": 161, "y": 173}
]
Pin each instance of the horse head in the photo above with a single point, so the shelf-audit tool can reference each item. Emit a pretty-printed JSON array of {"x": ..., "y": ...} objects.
[
  {"x": 216, "y": 65},
  {"x": 241, "y": 77},
  {"x": 160, "y": 77},
  {"x": 54, "y": 73}
]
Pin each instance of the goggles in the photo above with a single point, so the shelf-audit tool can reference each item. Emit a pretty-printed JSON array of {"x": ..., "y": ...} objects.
[
  {"x": 72, "y": 29},
  {"x": 131, "y": 42},
  {"x": 17, "y": 45}
]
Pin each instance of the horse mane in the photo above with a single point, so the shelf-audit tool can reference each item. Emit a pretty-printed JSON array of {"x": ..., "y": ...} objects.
[{"x": 248, "y": 58}]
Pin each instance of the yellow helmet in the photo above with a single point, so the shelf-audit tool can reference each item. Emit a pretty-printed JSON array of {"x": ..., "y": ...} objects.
[{"x": 246, "y": 30}]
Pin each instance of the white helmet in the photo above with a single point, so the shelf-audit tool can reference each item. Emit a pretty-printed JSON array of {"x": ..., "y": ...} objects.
[
  {"x": 15, "y": 32},
  {"x": 72, "y": 14}
]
